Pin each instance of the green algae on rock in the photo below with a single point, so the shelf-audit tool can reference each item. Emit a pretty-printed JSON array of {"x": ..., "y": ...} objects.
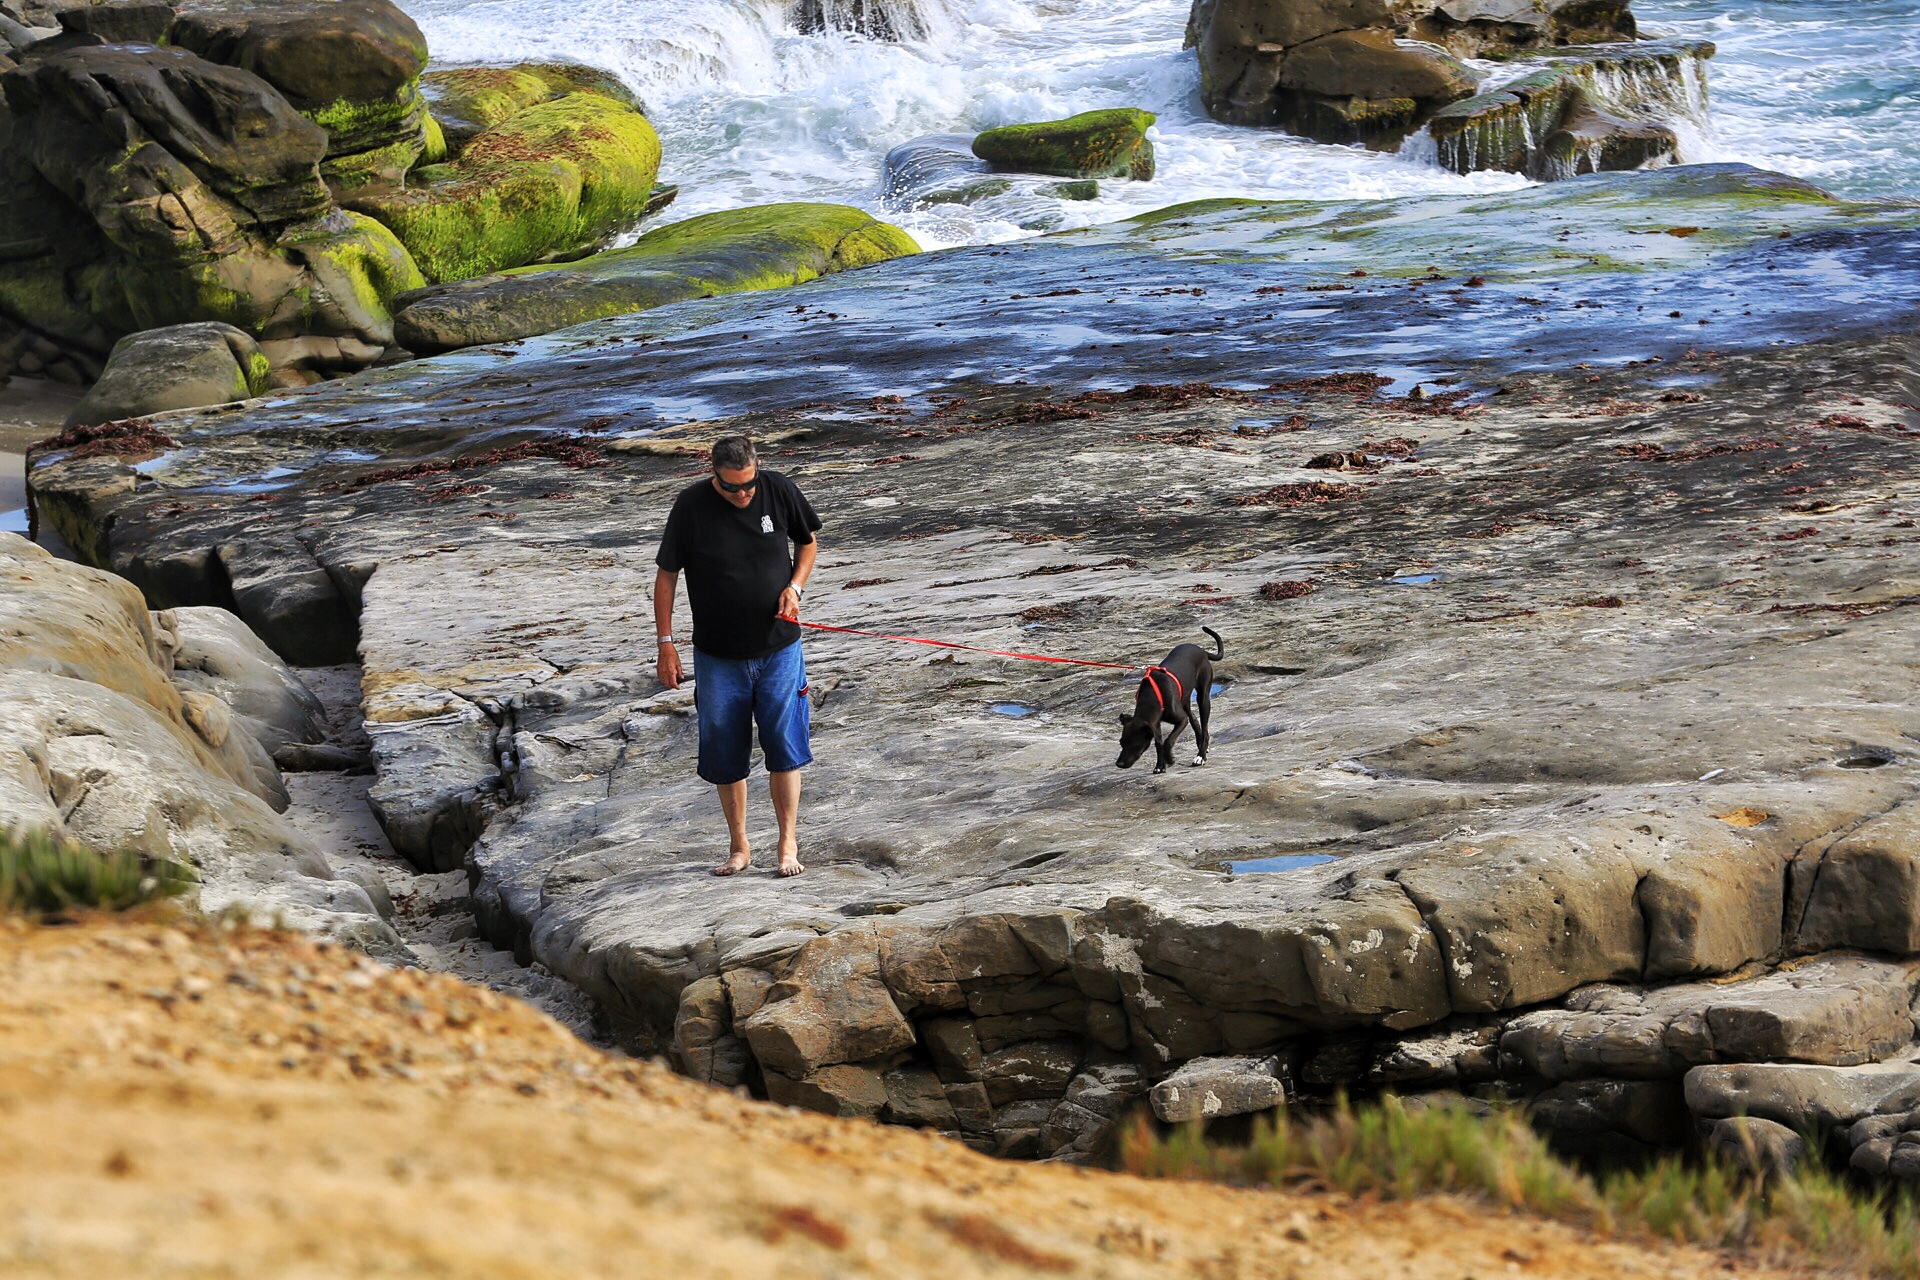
[
  {"x": 551, "y": 179},
  {"x": 467, "y": 101},
  {"x": 734, "y": 251},
  {"x": 1093, "y": 144}
]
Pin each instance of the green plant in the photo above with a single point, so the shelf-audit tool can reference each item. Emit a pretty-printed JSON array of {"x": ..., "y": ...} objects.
[
  {"x": 1395, "y": 1150},
  {"x": 43, "y": 875}
]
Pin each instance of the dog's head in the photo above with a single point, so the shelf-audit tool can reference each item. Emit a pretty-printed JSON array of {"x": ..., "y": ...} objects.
[{"x": 1136, "y": 736}]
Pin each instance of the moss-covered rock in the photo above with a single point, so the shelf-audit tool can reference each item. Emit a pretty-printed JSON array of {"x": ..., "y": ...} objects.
[
  {"x": 1093, "y": 144},
  {"x": 350, "y": 66},
  {"x": 766, "y": 247},
  {"x": 552, "y": 179},
  {"x": 184, "y": 366},
  {"x": 467, "y": 101}
]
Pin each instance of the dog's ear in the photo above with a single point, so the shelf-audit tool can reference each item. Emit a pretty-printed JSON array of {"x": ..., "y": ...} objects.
[{"x": 1125, "y": 718}]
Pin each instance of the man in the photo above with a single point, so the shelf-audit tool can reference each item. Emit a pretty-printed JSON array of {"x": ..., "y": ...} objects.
[{"x": 744, "y": 537}]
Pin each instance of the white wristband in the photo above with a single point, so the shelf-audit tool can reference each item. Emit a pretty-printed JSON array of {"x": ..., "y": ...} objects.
[
  {"x": 795, "y": 588},
  {"x": 665, "y": 640}
]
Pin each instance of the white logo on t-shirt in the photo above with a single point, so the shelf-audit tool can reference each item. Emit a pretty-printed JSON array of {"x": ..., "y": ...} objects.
[{"x": 766, "y": 524}]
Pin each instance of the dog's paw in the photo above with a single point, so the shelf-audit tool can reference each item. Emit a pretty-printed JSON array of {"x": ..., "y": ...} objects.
[{"x": 1199, "y": 760}]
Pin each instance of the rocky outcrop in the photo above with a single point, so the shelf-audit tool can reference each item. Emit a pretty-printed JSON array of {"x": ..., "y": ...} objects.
[
  {"x": 1569, "y": 746},
  {"x": 350, "y": 66},
  {"x": 555, "y": 178},
  {"x": 100, "y": 745},
  {"x": 1337, "y": 71},
  {"x": 766, "y": 247},
  {"x": 1374, "y": 71},
  {"x": 1093, "y": 144},
  {"x": 184, "y": 366},
  {"x": 144, "y": 187},
  {"x": 1587, "y": 111}
]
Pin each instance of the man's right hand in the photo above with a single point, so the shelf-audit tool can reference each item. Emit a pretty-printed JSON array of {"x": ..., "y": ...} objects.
[{"x": 668, "y": 665}]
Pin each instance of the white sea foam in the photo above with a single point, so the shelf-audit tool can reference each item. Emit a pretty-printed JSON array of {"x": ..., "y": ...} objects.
[{"x": 750, "y": 111}]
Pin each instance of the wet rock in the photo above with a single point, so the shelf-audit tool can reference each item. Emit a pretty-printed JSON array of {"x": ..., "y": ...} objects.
[
  {"x": 183, "y": 366},
  {"x": 1093, "y": 144},
  {"x": 761, "y": 248},
  {"x": 1204, "y": 1088},
  {"x": 1584, "y": 112},
  {"x": 121, "y": 21},
  {"x": 896, "y": 20}
]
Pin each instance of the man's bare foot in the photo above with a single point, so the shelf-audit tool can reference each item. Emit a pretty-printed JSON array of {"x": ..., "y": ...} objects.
[
  {"x": 790, "y": 863},
  {"x": 734, "y": 865}
]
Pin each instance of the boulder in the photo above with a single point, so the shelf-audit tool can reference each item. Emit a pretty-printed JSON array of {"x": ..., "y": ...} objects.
[
  {"x": 766, "y": 247},
  {"x": 1476, "y": 28},
  {"x": 1094, "y": 144},
  {"x": 1885, "y": 1145},
  {"x": 145, "y": 187},
  {"x": 553, "y": 179},
  {"x": 1591, "y": 140},
  {"x": 1866, "y": 888},
  {"x": 1839, "y": 1010},
  {"x": 467, "y": 101},
  {"x": 1363, "y": 86},
  {"x": 120, "y": 21},
  {"x": 99, "y": 746},
  {"x": 182, "y": 366},
  {"x": 350, "y": 66},
  {"x": 213, "y": 652},
  {"x": 1805, "y": 1098},
  {"x": 829, "y": 1007},
  {"x": 1205, "y": 1088},
  {"x": 1764, "y": 1147}
]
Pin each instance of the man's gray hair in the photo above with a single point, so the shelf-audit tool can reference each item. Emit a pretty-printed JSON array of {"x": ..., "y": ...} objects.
[{"x": 733, "y": 453}]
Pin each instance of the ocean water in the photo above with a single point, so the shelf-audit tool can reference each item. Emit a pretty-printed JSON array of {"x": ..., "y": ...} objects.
[{"x": 751, "y": 111}]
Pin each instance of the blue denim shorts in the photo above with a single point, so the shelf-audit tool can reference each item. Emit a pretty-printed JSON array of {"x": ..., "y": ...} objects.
[{"x": 734, "y": 694}]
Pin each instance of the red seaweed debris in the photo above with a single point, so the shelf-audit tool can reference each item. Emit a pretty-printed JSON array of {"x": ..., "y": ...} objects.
[
  {"x": 124, "y": 438},
  {"x": 1291, "y": 590},
  {"x": 1301, "y": 494},
  {"x": 569, "y": 450}
]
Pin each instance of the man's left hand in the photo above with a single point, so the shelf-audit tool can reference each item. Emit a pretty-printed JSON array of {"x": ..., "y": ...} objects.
[{"x": 789, "y": 605}]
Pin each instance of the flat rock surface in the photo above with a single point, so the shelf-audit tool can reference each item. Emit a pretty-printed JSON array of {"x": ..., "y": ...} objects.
[{"x": 1603, "y": 634}]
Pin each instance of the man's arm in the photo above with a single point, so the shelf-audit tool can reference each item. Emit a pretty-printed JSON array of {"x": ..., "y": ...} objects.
[
  {"x": 667, "y": 659},
  {"x": 803, "y": 558}
]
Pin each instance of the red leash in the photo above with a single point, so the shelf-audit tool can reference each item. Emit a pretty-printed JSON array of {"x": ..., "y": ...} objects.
[{"x": 998, "y": 653}]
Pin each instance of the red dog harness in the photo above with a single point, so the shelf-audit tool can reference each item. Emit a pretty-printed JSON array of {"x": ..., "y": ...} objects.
[{"x": 1180, "y": 694}]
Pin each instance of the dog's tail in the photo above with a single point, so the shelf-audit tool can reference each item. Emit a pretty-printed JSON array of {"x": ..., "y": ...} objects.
[{"x": 1219, "y": 645}]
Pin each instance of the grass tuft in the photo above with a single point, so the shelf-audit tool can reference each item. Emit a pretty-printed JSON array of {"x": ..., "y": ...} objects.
[
  {"x": 43, "y": 875},
  {"x": 1395, "y": 1151}
]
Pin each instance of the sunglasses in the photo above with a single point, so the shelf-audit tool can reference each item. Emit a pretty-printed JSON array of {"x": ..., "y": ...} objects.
[{"x": 743, "y": 487}]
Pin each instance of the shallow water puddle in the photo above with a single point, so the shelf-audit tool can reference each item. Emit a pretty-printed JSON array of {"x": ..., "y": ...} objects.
[
  {"x": 1018, "y": 710},
  {"x": 1417, "y": 579},
  {"x": 1283, "y": 862}
]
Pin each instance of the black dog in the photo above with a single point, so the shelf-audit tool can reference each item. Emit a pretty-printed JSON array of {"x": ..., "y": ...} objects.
[{"x": 1163, "y": 700}]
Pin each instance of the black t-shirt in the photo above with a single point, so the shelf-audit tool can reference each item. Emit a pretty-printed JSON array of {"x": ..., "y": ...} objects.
[{"x": 737, "y": 561}]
